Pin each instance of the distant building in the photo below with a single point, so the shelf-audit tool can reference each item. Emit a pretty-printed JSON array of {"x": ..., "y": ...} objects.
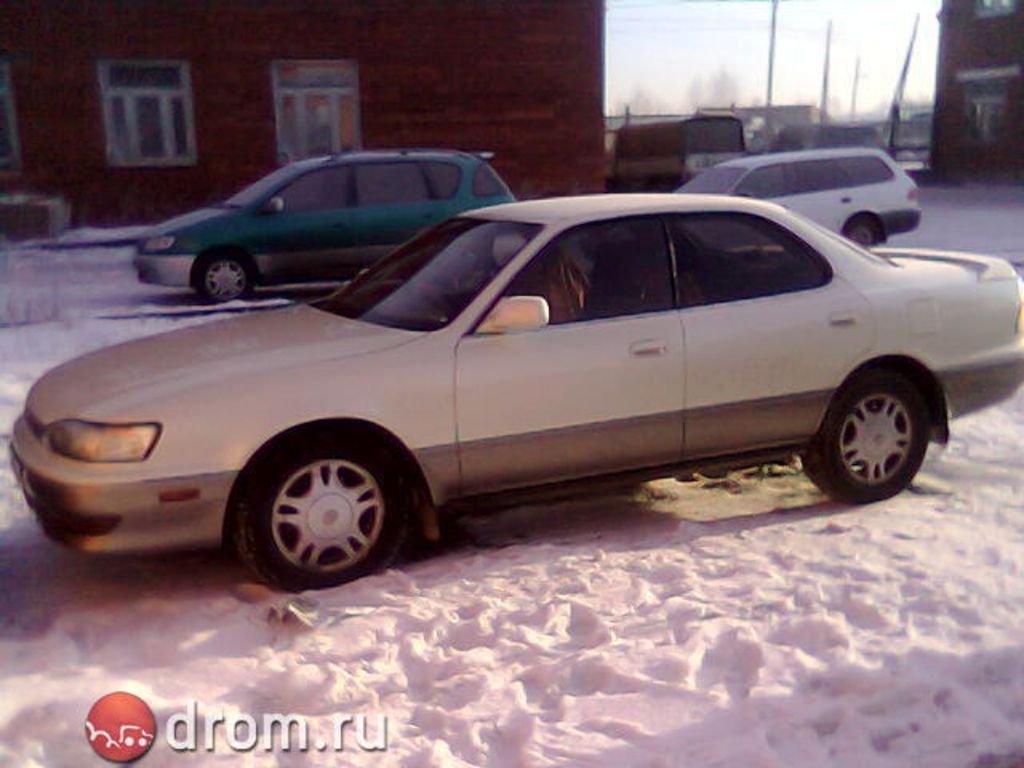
[
  {"x": 979, "y": 109},
  {"x": 137, "y": 110}
]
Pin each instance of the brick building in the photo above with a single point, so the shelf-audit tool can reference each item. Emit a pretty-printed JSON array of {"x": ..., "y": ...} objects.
[
  {"x": 979, "y": 101},
  {"x": 138, "y": 110}
]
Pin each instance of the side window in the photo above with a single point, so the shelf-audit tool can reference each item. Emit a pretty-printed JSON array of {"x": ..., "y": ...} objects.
[
  {"x": 318, "y": 191},
  {"x": 817, "y": 176},
  {"x": 730, "y": 257},
  {"x": 865, "y": 170},
  {"x": 595, "y": 271},
  {"x": 443, "y": 178},
  {"x": 763, "y": 183},
  {"x": 390, "y": 184},
  {"x": 487, "y": 183}
]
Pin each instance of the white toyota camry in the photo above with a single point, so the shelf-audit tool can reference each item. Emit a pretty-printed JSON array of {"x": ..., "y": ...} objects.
[{"x": 530, "y": 346}]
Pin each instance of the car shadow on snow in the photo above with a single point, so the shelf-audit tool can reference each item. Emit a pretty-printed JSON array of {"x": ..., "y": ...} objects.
[{"x": 41, "y": 581}]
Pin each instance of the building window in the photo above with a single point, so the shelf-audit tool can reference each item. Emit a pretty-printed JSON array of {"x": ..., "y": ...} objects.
[
  {"x": 316, "y": 105},
  {"x": 994, "y": 7},
  {"x": 147, "y": 112},
  {"x": 8, "y": 128},
  {"x": 986, "y": 110}
]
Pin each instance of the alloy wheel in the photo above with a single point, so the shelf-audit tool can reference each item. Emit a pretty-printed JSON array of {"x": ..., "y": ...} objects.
[
  {"x": 327, "y": 516},
  {"x": 875, "y": 438},
  {"x": 225, "y": 279}
]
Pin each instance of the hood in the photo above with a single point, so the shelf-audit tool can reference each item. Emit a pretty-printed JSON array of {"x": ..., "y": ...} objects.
[
  {"x": 147, "y": 370},
  {"x": 190, "y": 219}
]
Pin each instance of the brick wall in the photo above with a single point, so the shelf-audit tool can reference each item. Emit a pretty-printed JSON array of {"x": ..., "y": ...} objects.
[
  {"x": 523, "y": 78},
  {"x": 969, "y": 42}
]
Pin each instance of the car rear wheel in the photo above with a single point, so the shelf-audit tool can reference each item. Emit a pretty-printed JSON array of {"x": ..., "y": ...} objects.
[
  {"x": 223, "y": 277},
  {"x": 326, "y": 512},
  {"x": 872, "y": 441},
  {"x": 863, "y": 230}
]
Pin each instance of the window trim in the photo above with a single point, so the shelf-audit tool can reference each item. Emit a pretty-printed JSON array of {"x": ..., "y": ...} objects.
[
  {"x": 542, "y": 248},
  {"x": 279, "y": 91},
  {"x": 774, "y": 226},
  {"x": 108, "y": 92},
  {"x": 10, "y": 108}
]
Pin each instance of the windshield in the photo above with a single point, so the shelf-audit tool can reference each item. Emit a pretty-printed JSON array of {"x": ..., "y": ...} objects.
[
  {"x": 426, "y": 283},
  {"x": 259, "y": 191},
  {"x": 713, "y": 181}
]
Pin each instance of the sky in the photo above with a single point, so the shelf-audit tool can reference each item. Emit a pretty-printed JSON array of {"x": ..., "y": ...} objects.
[{"x": 676, "y": 55}]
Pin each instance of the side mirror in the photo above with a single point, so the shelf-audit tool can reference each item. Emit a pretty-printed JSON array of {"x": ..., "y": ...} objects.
[
  {"x": 273, "y": 205},
  {"x": 516, "y": 313}
]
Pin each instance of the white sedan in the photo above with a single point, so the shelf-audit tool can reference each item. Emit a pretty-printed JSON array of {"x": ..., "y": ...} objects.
[{"x": 529, "y": 346}]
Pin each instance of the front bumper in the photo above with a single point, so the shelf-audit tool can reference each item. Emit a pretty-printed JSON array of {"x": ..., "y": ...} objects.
[
  {"x": 173, "y": 269},
  {"x": 104, "y": 514}
]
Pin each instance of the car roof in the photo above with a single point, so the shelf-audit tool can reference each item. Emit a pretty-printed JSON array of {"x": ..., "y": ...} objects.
[
  {"x": 774, "y": 158},
  {"x": 583, "y": 208}
]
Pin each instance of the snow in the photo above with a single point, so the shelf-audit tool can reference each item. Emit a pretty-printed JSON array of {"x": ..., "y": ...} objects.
[{"x": 738, "y": 621}]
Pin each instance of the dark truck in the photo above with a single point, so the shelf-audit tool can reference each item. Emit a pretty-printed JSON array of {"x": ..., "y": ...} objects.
[{"x": 661, "y": 156}]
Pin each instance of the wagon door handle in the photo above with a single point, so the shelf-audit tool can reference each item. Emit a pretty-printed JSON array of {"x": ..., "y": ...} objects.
[
  {"x": 846, "y": 199},
  {"x": 842, "y": 319},
  {"x": 648, "y": 348}
]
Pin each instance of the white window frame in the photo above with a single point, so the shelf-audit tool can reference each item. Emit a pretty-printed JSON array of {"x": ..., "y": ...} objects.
[
  {"x": 13, "y": 162},
  {"x": 1004, "y": 8},
  {"x": 165, "y": 96},
  {"x": 333, "y": 94}
]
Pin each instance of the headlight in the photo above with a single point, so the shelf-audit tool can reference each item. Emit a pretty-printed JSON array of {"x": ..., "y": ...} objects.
[
  {"x": 86, "y": 441},
  {"x": 154, "y": 244}
]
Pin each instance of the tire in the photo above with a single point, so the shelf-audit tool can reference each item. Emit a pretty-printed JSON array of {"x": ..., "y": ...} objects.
[
  {"x": 863, "y": 230},
  {"x": 872, "y": 441},
  {"x": 224, "y": 276},
  {"x": 321, "y": 512}
]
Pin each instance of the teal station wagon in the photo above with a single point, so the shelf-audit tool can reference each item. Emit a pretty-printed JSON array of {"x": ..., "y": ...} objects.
[{"x": 325, "y": 218}]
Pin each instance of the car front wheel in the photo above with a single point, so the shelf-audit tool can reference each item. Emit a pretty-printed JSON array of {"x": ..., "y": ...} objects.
[
  {"x": 321, "y": 515},
  {"x": 223, "y": 277},
  {"x": 872, "y": 441}
]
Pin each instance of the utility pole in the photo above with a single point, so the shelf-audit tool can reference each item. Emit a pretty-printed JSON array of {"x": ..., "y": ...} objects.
[
  {"x": 856, "y": 84},
  {"x": 897, "y": 99},
  {"x": 771, "y": 71},
  {"x": 824, "y": 79}
]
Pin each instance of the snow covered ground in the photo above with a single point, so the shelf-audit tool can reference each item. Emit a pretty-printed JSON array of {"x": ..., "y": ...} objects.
[{"x": 738, "y": 622}]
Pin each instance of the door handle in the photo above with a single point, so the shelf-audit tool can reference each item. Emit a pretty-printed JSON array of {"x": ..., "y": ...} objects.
[
  {"x": 842, "y": 319},
  {"x": 846, "y": 199},
  {"x": 648, "y": 348}
]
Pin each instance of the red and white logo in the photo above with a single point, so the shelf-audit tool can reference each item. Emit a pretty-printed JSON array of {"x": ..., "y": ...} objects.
[{"x": 120, "y": 727}]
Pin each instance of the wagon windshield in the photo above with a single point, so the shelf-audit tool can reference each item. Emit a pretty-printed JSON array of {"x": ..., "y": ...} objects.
[{"x": 430, "y": 280}]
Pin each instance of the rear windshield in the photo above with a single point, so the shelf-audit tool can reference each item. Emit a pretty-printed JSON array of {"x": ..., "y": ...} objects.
[
  {"x": 713, "y": 135},
  {"x": 430, "y": 280},
  {"x": 714, "y": 181}
]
